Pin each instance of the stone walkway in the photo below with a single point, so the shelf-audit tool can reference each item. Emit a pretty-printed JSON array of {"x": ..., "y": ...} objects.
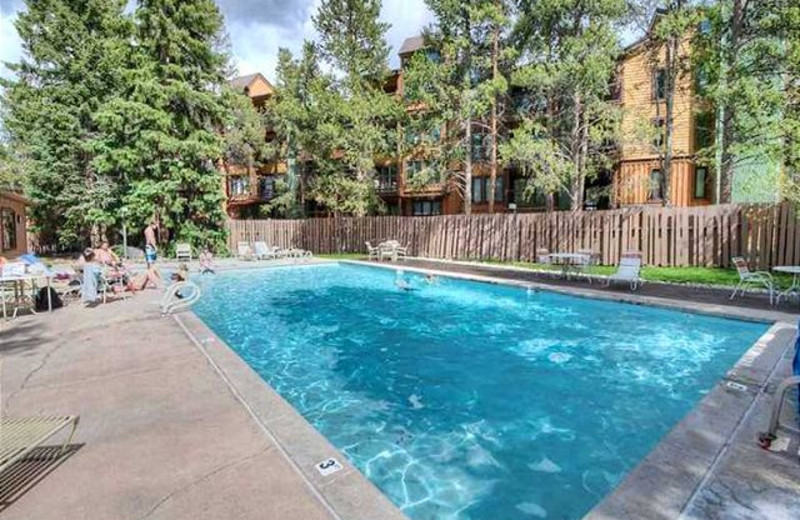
[{"x": 162, "y": 435}]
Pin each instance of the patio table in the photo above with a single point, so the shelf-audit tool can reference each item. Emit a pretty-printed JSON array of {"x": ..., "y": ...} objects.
[
  {"x": 18, "y": 281},
  {"x": 793, "y": 270},
  {"x": 569, "y": 261}
]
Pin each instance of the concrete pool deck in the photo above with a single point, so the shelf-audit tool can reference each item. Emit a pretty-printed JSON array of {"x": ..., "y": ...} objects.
[
  {"x": 162, "y": 435},
  {"x": 175, "y": 425}
]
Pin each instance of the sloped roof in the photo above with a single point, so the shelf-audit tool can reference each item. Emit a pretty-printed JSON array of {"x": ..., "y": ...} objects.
[
  {"x": 412, "y": 44},
  {"x": 243, "y": 82}
]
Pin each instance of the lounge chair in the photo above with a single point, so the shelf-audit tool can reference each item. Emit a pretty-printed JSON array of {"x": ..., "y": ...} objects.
[
  {"x": 629, "y": 271},
  {"x": 263, "y": 252},
  {"x": 22, "y": 435},
  {"x": 543, "y": 256},
  {"x": 748, "y": 278},
  {"x": 183, "y": 251},
  {"x": 244, "y": 251}
]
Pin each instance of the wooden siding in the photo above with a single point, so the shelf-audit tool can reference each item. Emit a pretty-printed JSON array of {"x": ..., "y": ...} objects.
[
  {"x": 767, "y": 235},
  {"x": 640, "y": 109},
  {"x": 15, "y": 204},
  {"x": 632, "y": 183}
]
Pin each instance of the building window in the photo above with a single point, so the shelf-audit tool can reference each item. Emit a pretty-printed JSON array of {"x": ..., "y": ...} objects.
[
  {"x": 701, "y": 182},
  {"x": 238, "y": 186},
  {"x": 480, "y": 147},
  {"x": 499, "y": 190},
  {"x": 433, "y": 55},
  {"x": 387, "y": 177},
  {"x": 658, "y": 132},
  {"x": 426, "y": 208},
  {"x": 659, "y": 84},
  {"x": 8, "y": 229},
  {"x": 703, "y": 130},
  {"x": 481, "y": 187},
  {"x": 478, "y": 189},
  {"x": 266, "y": 187},
  {"x": 655, "y": 185}
]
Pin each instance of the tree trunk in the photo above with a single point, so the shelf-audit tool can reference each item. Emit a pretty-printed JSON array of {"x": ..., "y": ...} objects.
[
  {"x": 670, "y": 81},
  {"x": 578, "y": 151},
  {"x": 493, "y": 121},
  {"x": 468, "y": 169},
  {"x": 729, "y": 54}
]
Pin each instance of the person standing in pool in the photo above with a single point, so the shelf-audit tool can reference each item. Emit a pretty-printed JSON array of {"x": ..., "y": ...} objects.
[{"x": 150, "y": 253}]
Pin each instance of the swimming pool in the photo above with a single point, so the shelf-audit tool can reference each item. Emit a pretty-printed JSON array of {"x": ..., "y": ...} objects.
[{"x": 469, "y": 400}]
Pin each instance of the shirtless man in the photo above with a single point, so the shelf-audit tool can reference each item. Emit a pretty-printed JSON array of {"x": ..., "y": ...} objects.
[{"x": 150, "y": 254}]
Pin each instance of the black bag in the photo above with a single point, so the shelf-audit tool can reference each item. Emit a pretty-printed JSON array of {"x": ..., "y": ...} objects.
[{"x": 41, "y": 299}]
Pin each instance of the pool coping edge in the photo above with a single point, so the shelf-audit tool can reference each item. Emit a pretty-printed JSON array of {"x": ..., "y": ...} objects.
[{"x": 346, "y": 494}]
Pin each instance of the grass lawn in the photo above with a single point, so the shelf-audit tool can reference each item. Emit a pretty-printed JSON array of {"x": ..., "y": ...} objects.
[
  {"x": 695, "y": 275},
  {"x": 343, "y": 256}
]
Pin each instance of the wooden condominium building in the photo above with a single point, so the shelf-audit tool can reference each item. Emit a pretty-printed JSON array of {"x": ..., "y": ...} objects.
[
  {"x": 635, "y": 179},
  {"x": 246, "y": 190},
  {"x": 641, "y": 92}
]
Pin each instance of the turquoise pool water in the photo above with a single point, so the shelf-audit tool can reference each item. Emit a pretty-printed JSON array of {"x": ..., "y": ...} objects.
[{"x": 467, "y": 400}]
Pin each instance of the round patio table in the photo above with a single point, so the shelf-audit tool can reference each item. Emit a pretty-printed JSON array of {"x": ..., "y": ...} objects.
[
  {"x": 569, "y": 261},
  {"x": 793, "y": 270}
]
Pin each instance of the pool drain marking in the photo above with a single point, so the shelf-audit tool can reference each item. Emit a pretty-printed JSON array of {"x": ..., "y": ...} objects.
[
  {"x": 328, "y": 467},
  {"x": 736, "y": 386}
]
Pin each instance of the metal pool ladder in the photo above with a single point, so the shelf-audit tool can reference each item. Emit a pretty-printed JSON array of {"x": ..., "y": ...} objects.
[{"x": 766, "y": 438}]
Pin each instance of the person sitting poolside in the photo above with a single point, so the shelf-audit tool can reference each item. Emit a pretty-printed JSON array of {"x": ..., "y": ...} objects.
[
  {"x": 104, "y": 255},
  {"x": 206, "y": 261}
]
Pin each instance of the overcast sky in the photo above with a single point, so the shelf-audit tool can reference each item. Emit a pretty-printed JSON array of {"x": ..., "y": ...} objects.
[{"x": 258, "y": 28}]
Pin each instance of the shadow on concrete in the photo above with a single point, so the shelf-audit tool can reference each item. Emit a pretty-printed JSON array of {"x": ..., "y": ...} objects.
[
  {"x": 21, "y": 476},
  {"x": 20, "y": 336}
]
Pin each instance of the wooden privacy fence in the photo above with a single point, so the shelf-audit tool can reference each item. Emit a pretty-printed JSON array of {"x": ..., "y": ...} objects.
[{"x": 767, "y": 235}]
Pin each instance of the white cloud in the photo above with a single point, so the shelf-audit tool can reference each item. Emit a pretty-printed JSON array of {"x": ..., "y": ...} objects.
[
  {"x": 258, "y": 28},
  {"x": 10, "y": 44}
]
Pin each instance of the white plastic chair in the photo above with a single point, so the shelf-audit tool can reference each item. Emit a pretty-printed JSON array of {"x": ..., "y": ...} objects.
[
  {"x": 629, "y": 271},
  {"x": 244, "y": 251},
  {"x": 748, "y": 278},
  {"x": 373, "y": 252}
]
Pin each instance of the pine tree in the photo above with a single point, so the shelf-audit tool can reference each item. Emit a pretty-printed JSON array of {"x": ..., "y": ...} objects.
[
  {"x": 357, "y": 121},
  {"x": 743, "y": 53},
  {"x": 292, "y": 113},
  {"x": 571, "y": 49},
  {"x": 454, "y": 87},
  {"x": 70, "y": 67},
  {"x": 163, "y": 132}
]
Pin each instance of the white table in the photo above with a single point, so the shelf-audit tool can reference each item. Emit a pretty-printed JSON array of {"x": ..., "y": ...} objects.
[
  {"x": 19, "y": 287},
  {"x": 569, "y": 261},
  {"x": 793, "y": 270}
]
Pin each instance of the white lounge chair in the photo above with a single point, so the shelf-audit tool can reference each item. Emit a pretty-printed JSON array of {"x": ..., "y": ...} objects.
[
  {"x": 263, "y": 252},
  {"x": 629, "y": 271},
  {"x": 543, "y": 256},
  {"x": 748, "y": 278},
  {"x": 183, "y": 251},
  {"x": 244, "y": 251}
]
